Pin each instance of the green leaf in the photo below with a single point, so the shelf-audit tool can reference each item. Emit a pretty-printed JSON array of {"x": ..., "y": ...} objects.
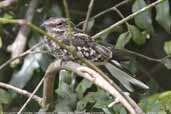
[
  {"x": 159, "y": 102},
  {"x": 65, "y": 76},
  {"x": 167, "y": 63},
  {"x": 123, "y": 39},
  {"x": 102, "y": 98},
  {"x": 8, "y": 15},
  {"x": 163, "y": 15},
  {"x": 119, "y": 109},
  {"x": 99, "y": 99},
  {"x": 167, "y": 47},
  {"x": 82, "y": 87},
  {"x": 142, "y": 20},
  {"x": 1, "y": 42},
  {"x": 66, "y": 99},
  {"x": 81, "y": 105},
  {"x": 137, "y": 36},
  {"x": 4, "y": 97}
]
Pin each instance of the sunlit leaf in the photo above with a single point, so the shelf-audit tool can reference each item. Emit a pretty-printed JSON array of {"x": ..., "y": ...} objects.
[
  {"x": 137, "y": 36},
  {"x": 167, "y": 62},
  {"x": 163, "y": 15},
  {"x": 167, "y": 47},
  {"x": 8, "y": 15},
  {"x": 123, "y": 40},
  {"x": 143, "y": 20},
  {"x": 1, "y": 42}
]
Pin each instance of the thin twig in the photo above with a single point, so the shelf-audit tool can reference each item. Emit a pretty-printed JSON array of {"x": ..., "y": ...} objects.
[
  {"x": 19, "y": 56},
  {"x": 21, "y": 91},
  {"x": 90, "y": 7},
  {"x": 68, "y": 21},
  {"x": 18, "y": 46},
  {"x": 121, "y": 15},
  {"x": 109, "y": 29},
  {"x": 142, "y": 56},
  {"x": 31, "y": 96},
  {"x": 105, "y": 11}
]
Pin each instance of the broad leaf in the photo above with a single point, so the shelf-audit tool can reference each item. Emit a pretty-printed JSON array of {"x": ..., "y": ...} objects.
[
  {"x": 1, "y": 43},
  {"x": 143, "y": 20},
  {"x": 123, "y": 40},
  {"x": 163, "y": 15},
  {"x": 82, "y": 87},
  {"x": 167, "y": 63},
  {"x": 4, "y": 97},
  {"x": 66, "y": 97},
  {"x": 137, "y": 36},
  {"x": 159, "y": 102}
]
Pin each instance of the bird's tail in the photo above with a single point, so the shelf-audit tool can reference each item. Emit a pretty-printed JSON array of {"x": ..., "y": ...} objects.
[{"x": 124, "y": 78}]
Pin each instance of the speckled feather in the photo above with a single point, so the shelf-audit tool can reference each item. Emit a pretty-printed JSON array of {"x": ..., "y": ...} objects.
[{"x": 83, "y": 43}]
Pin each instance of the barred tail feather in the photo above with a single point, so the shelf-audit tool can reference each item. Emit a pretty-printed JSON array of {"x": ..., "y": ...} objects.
[{"x": 125, "y": 79}]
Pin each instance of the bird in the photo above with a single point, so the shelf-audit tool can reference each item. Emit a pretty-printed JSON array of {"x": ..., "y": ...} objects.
[{"x": 85, "y": 46}]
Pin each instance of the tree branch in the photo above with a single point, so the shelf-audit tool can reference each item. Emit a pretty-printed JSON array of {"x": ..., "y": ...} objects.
[
  {"x": 21, "y": 91},
  {"x": 31, "y": 96},
  {"x": 105, "y": 11},
  {"x": 20, "y": 56},
  {"x": 97, "y": 79},
  {"x": 109, "y": 29},
  {"x": 90, "y": 7},
  {"x": 19, "y": 44},
  {"x": 48, "y": 87}
]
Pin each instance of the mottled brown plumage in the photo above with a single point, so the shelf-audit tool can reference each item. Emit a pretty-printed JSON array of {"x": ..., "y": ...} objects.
[{"x": 84, "y": 45}]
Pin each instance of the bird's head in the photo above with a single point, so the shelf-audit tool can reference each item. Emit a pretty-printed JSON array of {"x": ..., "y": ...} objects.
[{"x": 56, "y": 25}]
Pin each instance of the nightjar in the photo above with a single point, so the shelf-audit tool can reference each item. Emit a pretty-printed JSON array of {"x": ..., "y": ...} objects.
[
  {"x": 85, "y": 47},
  {"x": 83, "y": 44}
]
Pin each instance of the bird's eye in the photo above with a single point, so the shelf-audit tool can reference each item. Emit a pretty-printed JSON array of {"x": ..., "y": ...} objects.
[{"x": 59, "y": 23}]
